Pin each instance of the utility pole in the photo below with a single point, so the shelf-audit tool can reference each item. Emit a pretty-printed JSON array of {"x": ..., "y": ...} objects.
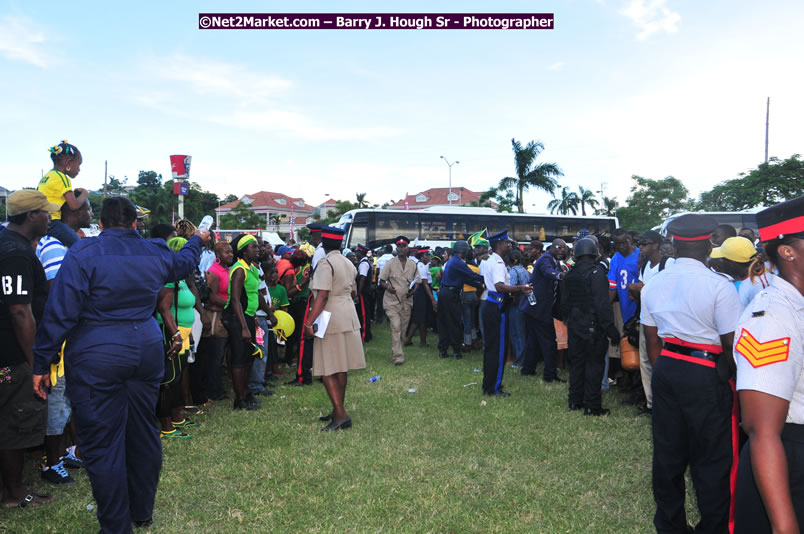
[
  {"x": 105, "y": 170},
  {"x": 767, "y": 120}
]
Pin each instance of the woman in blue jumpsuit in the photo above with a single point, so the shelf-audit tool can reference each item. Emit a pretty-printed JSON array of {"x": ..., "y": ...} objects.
[{"x": 102, "y": 303}]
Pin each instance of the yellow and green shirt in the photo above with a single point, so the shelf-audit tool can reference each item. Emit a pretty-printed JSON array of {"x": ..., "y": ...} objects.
[
  {"x": 251, "y": 286},
  {"x": 53, "y": 185}
]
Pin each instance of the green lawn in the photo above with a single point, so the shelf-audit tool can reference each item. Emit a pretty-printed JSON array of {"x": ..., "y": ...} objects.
[{"x": 437, "y": 460}]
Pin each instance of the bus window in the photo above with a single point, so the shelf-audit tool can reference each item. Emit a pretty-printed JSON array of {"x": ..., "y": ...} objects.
[
  {"x": 359, "y": 232},
  {"x": 395, "y": 223},
  {"x": 435, "y": 227}
]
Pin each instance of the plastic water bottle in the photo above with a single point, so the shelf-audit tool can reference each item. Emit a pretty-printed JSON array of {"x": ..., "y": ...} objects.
[
  {"x": 206, "y": 223},
  {"x": 374, "y": 378}
]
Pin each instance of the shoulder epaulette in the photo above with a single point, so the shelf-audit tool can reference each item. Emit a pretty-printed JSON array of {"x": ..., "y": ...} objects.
[{"x": 760, "y": 304}]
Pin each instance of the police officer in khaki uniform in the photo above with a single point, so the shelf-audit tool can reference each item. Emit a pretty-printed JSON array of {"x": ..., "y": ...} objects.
[
  {"x": 769, "y": 350},
  {"x": 399, "y": 278}
]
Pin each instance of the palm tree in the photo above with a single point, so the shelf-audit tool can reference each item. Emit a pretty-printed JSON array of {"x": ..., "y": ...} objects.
[
  {"x": 542, "y": 176},
  {"x": 361, "y": 200},
  {"x": 567, "y": 203},
  {"x": 608, "y": 208},
  {"x": 586, "y": 197}
]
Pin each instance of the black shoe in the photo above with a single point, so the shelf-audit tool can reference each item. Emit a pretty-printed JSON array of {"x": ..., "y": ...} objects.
[
  {"x": 343, "y": 425},
  {"x": 245, "y": 405},
  {"x": 145, "y": 523},
  {"x": 458, "y": 356},
  {"x": 555, "y": 380},
  {"x": 443, "y": 355},
  {"x": 252, "y": 399},
  {"x": 527, "y": 372},
  {"x": 265, "y": 393},
  {"x": 575, "y": 407},
  {"x": 399, "y": 363},
  {"x": 644, "y": 411},
  {"x": 597, "y": 411},
  {"x": 499, "y": 394},
  {"x": 326, "y": 418},
  {"x": 302, "y": 383}
]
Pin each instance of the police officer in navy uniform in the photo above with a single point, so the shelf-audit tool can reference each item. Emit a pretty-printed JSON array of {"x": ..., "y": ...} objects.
[
  {"x": 492, "y": 309},
  {"x": 448, "y": 315},
  {"x": 102, "y": 303},
  {"x": 769, "y": 350},
  {"x": 590, "y": 320},
  {"x": 365, "y": 292},
  {"x": 688, "y": 314}
]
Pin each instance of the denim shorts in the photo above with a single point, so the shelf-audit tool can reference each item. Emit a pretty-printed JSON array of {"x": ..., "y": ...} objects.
[{"x": 59, "y": 408}]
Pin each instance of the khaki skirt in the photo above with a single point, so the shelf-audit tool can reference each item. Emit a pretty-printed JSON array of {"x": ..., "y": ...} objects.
[{"x": 338, "y": 353}]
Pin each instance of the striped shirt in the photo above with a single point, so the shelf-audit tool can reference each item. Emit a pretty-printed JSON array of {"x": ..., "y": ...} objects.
[{"x": 50, "y": 252}]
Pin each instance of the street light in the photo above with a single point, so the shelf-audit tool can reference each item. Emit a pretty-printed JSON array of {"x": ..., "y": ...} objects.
[{"x": 449, "y": 195}]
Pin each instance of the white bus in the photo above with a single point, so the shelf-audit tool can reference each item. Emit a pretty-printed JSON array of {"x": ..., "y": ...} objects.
[
  {"x": 441, "y": 226},
  {"x": 737, "y": 219}
]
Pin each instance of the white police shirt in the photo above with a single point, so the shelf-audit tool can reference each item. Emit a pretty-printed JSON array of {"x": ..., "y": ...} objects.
[
  {"x": 769, "y": 346},
  {"x": 318, "y": 255},
  {"x": 691, "y": 303},
  {"x": 493, "y": 271}
]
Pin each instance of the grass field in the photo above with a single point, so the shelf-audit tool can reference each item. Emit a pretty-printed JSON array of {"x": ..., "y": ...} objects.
[{"x": 436, "y": 460}]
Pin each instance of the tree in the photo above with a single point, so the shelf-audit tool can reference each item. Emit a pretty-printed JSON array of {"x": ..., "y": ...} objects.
[
  {"x": 609, "y": 207},
  {"x": 586, "y": 197},
  {"x": 115, "y": 187},
  {"x": 241, "y": 218},
  {"x": 341, "y": 207},
  {"x": 652, "y": 201},
  {"x": 502, "y": 201},
  {"x": 768, "y": 184},
  {"x": 567, "y": 203},
  {"x": 361, "y": 200},
  {"x": 542, "y": 176}
]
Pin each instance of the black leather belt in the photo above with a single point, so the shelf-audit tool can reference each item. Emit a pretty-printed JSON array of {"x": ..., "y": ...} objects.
[
  {"x": 452, "y": 288},
  {"x": 695, "y": 353}
]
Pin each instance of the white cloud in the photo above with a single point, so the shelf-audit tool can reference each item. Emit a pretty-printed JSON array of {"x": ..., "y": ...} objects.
[
  {"x": 651, "y": 17},
  {"x": 556, "y": 66},
  {"x": 232, "y": 95},
  {"x": 20, "y": 40}
]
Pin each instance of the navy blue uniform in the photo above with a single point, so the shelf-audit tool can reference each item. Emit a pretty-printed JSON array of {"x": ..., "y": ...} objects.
[
  {"x": 450, "y": 332},
  {"x": 541, "y": 343},
  {"x": 102, "y": 303}
]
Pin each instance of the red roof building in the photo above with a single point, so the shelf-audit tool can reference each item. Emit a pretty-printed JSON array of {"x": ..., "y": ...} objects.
[
  {"x": 437, "y": 196},
  {"x": 275, "y": 208}
]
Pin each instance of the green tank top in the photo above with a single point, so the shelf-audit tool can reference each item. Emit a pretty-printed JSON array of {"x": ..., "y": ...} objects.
[
  {"x": 305, "y": 292},
  {"x": 186, "y": 300},
  {"x": 251, "y": 286}
]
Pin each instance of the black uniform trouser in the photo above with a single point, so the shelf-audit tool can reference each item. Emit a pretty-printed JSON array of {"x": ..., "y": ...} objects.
[
  {"x": 692, "y": 426},
  {"x": 450, "y": 331},
  {"x": 363, "y": 307},
  {"x": 587, "y": 360},
  {"x": 379, "y": 312},
  {"x": 304, "y": 369},
  {"x": 494, "y": 337},
  {"x": 750, "y": 516},
  {"x": 541, "y": 345},
  {"x": 297, "y": 310}
]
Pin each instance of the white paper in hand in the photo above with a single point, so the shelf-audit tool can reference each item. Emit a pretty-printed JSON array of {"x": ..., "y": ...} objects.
[{"x": 322, "y": 321}]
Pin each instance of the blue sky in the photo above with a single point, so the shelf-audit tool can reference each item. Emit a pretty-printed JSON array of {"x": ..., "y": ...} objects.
[{"x": 620, "y": 87}]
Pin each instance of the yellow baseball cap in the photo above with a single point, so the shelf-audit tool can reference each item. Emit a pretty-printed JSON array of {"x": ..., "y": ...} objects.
[
  {"x": 26, "y": 200},
  {"x": 737, "y": 249}
]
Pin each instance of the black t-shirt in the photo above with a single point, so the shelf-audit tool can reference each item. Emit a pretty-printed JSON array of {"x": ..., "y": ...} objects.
[{"x": 22, "y": 281}]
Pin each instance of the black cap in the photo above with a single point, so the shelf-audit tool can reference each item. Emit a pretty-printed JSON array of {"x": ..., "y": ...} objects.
[
  {"x": 332, "y": 233},
  {"x": 401, "y": 240},
  {"x": 315, "y": 227},
  {"x": 362, "y": 248},
  {"x": 781, "y": 220},
  {"x": 502, "y": 236},
  {"x": 652, "y": 235},
  {"x": 692, "y": 227}
]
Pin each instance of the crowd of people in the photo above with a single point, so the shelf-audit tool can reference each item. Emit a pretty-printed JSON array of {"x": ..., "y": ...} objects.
[{"x": 123, "y": 339}]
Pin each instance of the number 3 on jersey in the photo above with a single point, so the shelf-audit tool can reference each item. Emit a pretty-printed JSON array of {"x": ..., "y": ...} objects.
[
  {"x": 8, "y": 286},
  {"x": 624, "y": 276}
]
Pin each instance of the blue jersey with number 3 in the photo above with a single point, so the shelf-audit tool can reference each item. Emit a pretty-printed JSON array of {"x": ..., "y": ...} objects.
[{"x": 624, "y": 271}]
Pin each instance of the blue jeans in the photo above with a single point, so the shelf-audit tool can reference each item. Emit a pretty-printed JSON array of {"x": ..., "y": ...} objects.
[
  {"x": 256, "y": 380},
  {"x": 62, "y": 232},
  {"x": 518, "y": 334},
  {"x": 604, "y": 386}
]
